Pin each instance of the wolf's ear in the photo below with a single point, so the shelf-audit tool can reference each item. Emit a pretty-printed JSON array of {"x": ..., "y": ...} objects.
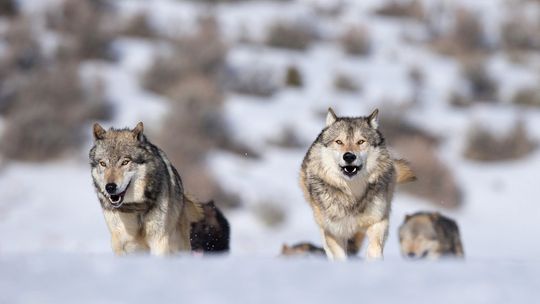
[
  {"x": 99, "y": 132},
  {"x": 331, "y": 117},
  {"x": 373, "y": 119},
  {"x": 138, "y": 131}
]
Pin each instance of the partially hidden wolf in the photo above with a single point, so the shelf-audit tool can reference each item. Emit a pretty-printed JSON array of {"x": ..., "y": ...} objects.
[
  {"x": 141, "y": 194},
  {"x": 348, "y": 178},
  {"x": 306, "y": 249},
  {"x": 212, "y": 233},
  {"x": 429, "y": 235}
]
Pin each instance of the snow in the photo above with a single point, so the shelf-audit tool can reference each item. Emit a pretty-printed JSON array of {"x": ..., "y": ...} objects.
[
  {"x": 55, "y": 245},
  {"x": 101, "y": 279}
]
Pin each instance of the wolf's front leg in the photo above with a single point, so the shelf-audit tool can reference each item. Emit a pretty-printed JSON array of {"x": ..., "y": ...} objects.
[
  {"x": 377, "y": 234},
  {"x": 335, "y": 248}
]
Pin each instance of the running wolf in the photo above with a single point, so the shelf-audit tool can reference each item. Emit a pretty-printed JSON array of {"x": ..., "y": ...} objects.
[
  {"x": 429, "y": 235},
  {"x": 348, "y": 178},
  {"x": 212, "y": 233},
  {"x": 141, "y": 194}
]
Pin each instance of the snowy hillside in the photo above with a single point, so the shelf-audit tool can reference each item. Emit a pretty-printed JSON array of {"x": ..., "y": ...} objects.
[{"x": 54, "y": 245}]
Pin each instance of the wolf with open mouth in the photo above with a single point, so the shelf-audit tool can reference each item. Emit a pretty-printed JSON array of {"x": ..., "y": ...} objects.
[
  {"x": 348, "y": 178},
  {"x": 141, "y": 193}
]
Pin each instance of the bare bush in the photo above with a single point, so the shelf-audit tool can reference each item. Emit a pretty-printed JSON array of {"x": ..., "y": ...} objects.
[
  {"x": 254, "y": 80},
  {"x": 402, "y": 9},
  {"x": 139, "y": 26},
  {"x": 484, "y": 145},
  {"x": 466, "y": 36},
  {"x": 293, "y": 77},
  {"x": 270, "y": 214},
  {"x": 356, "y": 41},
  {"x": 480, "y": 84},
  {"x": 8, "y": 8},
  {"x": 288, "y": 139},
  {"x": 345, "y": 83},
  {"x": 435, "y": 182},
  {"x": 87, "y": 29},
  {"x": 527, "y": 97},
  {"x": 288, "y": 35},
  {"x": 49, "y": 110},
  {"x": 201, "y": 53},
  {"x": 194, "y": 126}
]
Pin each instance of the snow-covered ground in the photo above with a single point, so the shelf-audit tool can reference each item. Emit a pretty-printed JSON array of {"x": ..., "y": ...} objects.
[
  {"x": 102, "y": 279},
  {"x": 54, "y": 246}
]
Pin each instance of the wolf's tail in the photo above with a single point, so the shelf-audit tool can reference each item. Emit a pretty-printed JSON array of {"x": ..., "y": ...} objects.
[
  {"x": 193, "y": 210},
  {"x": 404, "y": 172}
]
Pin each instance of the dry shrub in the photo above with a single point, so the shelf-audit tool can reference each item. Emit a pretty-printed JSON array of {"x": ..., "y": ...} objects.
[
  {"x": 194, "y": 125},
  {"x": 289, "y": 35},
  {"x": 435, "y": 181},
  {"x": 23, "y": 52},
  {"x": 527, "y": 97},
  {"x": 201, "y": 53},
  {"x": 139, "y": 26},
  {"x": 49, "y": 110},
  {"x": 253, "y": 80},
  {"x": 402, "y": 9},
  {"x": 288, "y": 139},
  {"x": 345, "y": 83},
  {"x": 293, "y": 77},
  {"x": 270, "y": 214},
  {"x": 466, "y": 36},
  {"x": 87, "y": 29},
  {"x": 484, "y": 145},
  {"x": 520, "y": 35},
  {"x": 8, "y": 8},
  {"x": 480, "y": 86},
  {"x": 356, "y": 41}
]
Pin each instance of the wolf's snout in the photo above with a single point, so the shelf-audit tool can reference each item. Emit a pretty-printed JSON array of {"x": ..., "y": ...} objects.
[
  {"x": 349, "y": 157},
  {"x": 110, "y": 187}
]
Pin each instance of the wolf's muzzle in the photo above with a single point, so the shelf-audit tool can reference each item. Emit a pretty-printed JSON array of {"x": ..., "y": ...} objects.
[
  {"x": 110, "y": 188},
  {"x": 349, "y": 157}
]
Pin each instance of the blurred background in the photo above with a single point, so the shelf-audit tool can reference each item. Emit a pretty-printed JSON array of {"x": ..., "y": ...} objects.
[{"x": 235, "y": 91}]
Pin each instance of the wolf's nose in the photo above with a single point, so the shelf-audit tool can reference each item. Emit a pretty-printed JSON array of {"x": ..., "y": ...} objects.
[
  {"x": 349, "y": 157},
  {"x": 110, "y": 187},
  {"x": 411, "y": 254}
]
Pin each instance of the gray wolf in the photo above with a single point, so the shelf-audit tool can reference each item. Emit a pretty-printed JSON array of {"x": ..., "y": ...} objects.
[
  {"x": 211, "y": 234},
  {"x": 141, "y": 194},
  {"x": 429, "y": 235},
  {"x": 304, "y": 249},
  {"x": 348, "y": 178}
]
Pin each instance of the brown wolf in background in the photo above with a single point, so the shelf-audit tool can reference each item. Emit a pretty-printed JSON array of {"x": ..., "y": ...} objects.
[
  {"x": 141, "y": 194},
  {"x": 348, "y": 178},
  {"x": 429, "y": 235}
]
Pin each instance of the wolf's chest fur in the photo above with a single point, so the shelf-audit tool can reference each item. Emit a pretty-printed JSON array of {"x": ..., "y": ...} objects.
[{"x": 357, "y": 210}]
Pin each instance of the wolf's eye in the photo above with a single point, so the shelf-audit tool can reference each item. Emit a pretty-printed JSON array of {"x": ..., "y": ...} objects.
[
  {"x": 339, "y": 142},
  {"x": 361, "y": 141},
  {"x": 103, "y": 164},
  {"x": 125, "y": 162}
]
